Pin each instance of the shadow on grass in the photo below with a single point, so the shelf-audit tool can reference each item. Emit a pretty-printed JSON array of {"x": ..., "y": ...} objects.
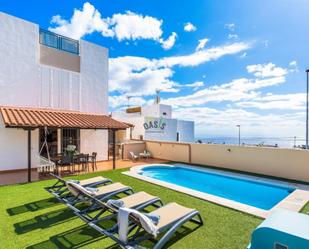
[
  {"x": 45, "y": 220},
  {"x": 74, "y": 238},
  {"x": 180, "y": 234},
  {"x": 33, "y": 206}
]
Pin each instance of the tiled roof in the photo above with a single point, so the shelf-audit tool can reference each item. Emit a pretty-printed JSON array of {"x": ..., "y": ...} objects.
[{"x": 34, "y": 118}]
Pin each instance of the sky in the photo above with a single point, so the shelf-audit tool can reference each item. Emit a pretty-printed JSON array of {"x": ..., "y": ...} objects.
[{"x": 219, "y": 63}]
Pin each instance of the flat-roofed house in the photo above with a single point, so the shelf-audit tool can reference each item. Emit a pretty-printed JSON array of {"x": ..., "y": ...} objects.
[
  {"x": 52, "y": 82},
  {"x": 154, "y": 122}
]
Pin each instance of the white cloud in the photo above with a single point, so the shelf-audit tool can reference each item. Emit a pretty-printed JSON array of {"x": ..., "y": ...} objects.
[
  {"x": 294, "y": 67},
  {"x": 169, "y": 42},
  {"x": 196, "y": 85},
  {"x": 293, "y": 63},
  {"x": 211, "y": 122},
  {"x": 233, "y": 36},
  {"x": 266, "y": 70},
  {"x": 239, "y": 89},
  {"x": 294, "y": 101},
  {"x": 230, "y": 26},
  {"x": 140, "y": 76},
  {"x": 266, "y": 43},
  {"x": 201, "y": 44},
  {"x": 204, "y": 55},
  {"x": 132, "y": 26},
  {"x": 123, "y": 26},
  {"x": 83, "y": 22},
  {"x": 189, "y": 27},
  {"x": 244, "y": 55},
  {"x": 122, "y": 100},
  {"x": 234, "y": 91}
]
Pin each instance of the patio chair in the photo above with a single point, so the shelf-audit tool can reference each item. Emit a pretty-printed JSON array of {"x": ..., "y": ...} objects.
[
  {"x": 133, "y": 156},
  {"x": 59, "y": 189},
  {"x": 138, "y": 201},
  {"x": 93, "y": 160},
  {"x": 84, "y": 161},
  {"x": 80, "y": 194},
  {"x": 64, "y": 162},
  {"x": 172, "y": 217}
]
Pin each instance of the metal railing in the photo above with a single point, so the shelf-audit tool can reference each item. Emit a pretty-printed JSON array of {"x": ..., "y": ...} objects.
[{"x": 60, "y": 42}]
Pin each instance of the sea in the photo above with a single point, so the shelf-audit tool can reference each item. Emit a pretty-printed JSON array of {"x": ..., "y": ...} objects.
[{"x": 281, "y": 142}]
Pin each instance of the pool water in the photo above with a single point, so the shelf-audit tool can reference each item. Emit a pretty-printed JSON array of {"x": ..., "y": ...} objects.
[{"x": 262, "y": 195}]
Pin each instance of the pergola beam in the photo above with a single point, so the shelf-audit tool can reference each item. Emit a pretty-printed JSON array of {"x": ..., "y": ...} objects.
[
  {"x": 29, "y": 154},
  {"x": 114, "y": 148}
]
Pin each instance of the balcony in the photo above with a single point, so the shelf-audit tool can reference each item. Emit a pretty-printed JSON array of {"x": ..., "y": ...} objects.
[{"x": 59, "y": 42}]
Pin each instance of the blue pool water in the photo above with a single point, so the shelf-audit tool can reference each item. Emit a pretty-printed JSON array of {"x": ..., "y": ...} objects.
[{"x": 258, "y": 194}]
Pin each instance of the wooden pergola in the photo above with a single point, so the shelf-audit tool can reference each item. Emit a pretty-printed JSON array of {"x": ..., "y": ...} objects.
[{"x": 33, "y": 118}]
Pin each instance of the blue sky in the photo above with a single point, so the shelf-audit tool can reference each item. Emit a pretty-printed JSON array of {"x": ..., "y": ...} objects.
[{"x": 220, "y": 63}]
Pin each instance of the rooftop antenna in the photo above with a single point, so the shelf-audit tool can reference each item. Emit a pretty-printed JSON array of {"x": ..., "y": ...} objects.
[
  {"x": 157, "y": 100},
  {"x": 128, "y": 98}
]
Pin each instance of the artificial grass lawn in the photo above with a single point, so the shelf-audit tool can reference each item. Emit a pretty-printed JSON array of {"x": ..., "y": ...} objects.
[{"x": 31, "y": 218}]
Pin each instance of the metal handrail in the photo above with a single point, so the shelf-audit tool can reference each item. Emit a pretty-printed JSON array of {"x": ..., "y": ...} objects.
[{"x": 59, "y": 41}]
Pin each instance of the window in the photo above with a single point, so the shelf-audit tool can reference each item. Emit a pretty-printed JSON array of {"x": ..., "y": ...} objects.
[
  {"x": 70, "y": 137},
  {"x": 280, "y": 246}
]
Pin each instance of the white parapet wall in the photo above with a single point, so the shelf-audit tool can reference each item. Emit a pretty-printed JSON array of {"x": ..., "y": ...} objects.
[
  {"x": 290, "y": 164},
  {"x": 14, "y": 148}
]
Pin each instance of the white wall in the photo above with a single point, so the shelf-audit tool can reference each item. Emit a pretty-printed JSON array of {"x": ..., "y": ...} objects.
[
  {"x": 14, "y": 148},
  {"x": 137, "y": 121},
  {"x": 94, "y": 141},
  {"x": 19, "y": 67},
  {"x": 157, "y": 110},
  {"x": 165, "y": 109},
  {"x": 169, "y": 133},
  {"x": 94, "y": 78},
  {"x": 185, "y": 130},
  {"x": 59, "y": 89}
]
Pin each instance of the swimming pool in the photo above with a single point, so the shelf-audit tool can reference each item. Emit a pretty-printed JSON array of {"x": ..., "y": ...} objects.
[{"x": 258, "y": 194}]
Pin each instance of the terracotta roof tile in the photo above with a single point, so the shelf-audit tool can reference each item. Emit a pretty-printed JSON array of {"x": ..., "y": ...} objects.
[{"x": 34, "y": 118}]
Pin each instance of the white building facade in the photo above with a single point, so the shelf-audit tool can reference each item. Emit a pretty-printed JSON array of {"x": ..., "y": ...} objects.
[
  {"x": 155, "y": 122},
  {"x": 39, "y": 69}
]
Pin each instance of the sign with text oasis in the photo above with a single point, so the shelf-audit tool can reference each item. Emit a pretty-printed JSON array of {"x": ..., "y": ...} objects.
[{"x": 154, "y": 125}]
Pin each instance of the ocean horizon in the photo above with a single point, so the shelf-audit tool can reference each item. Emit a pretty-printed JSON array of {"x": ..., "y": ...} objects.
[{"x": 282, "y": 142}]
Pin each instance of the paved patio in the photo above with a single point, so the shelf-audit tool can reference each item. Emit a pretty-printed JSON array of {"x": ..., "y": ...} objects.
[{"x": 21, "y": 175}]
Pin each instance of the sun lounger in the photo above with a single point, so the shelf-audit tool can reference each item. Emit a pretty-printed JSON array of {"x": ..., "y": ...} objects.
[
  {"x": 138, "y": 201},
  {"x": 59, "y": 189},
  {"x": 133, "y": 156},
  {"x": 172, "y": 216},
  {"x": 83, "y": 194}
]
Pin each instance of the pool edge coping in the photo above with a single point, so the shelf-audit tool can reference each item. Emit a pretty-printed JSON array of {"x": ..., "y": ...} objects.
[{"x": 293, "y": 202}]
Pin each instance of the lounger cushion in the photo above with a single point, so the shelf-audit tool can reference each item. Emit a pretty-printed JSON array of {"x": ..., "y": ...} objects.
[
  {"x": 137, "y": 199},
  {"x": 171, "y": 213},
  {"x": 109, "y": 188},
  {"x": 75, "y": 189},
  {"x": 92, "y": 180}
]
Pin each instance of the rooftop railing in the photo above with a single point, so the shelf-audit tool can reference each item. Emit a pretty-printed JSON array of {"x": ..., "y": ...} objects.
[{"x": 60, "y": 42}]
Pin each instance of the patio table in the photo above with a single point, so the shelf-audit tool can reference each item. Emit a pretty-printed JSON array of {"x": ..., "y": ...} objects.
[{"x": 145, "y": 155}]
